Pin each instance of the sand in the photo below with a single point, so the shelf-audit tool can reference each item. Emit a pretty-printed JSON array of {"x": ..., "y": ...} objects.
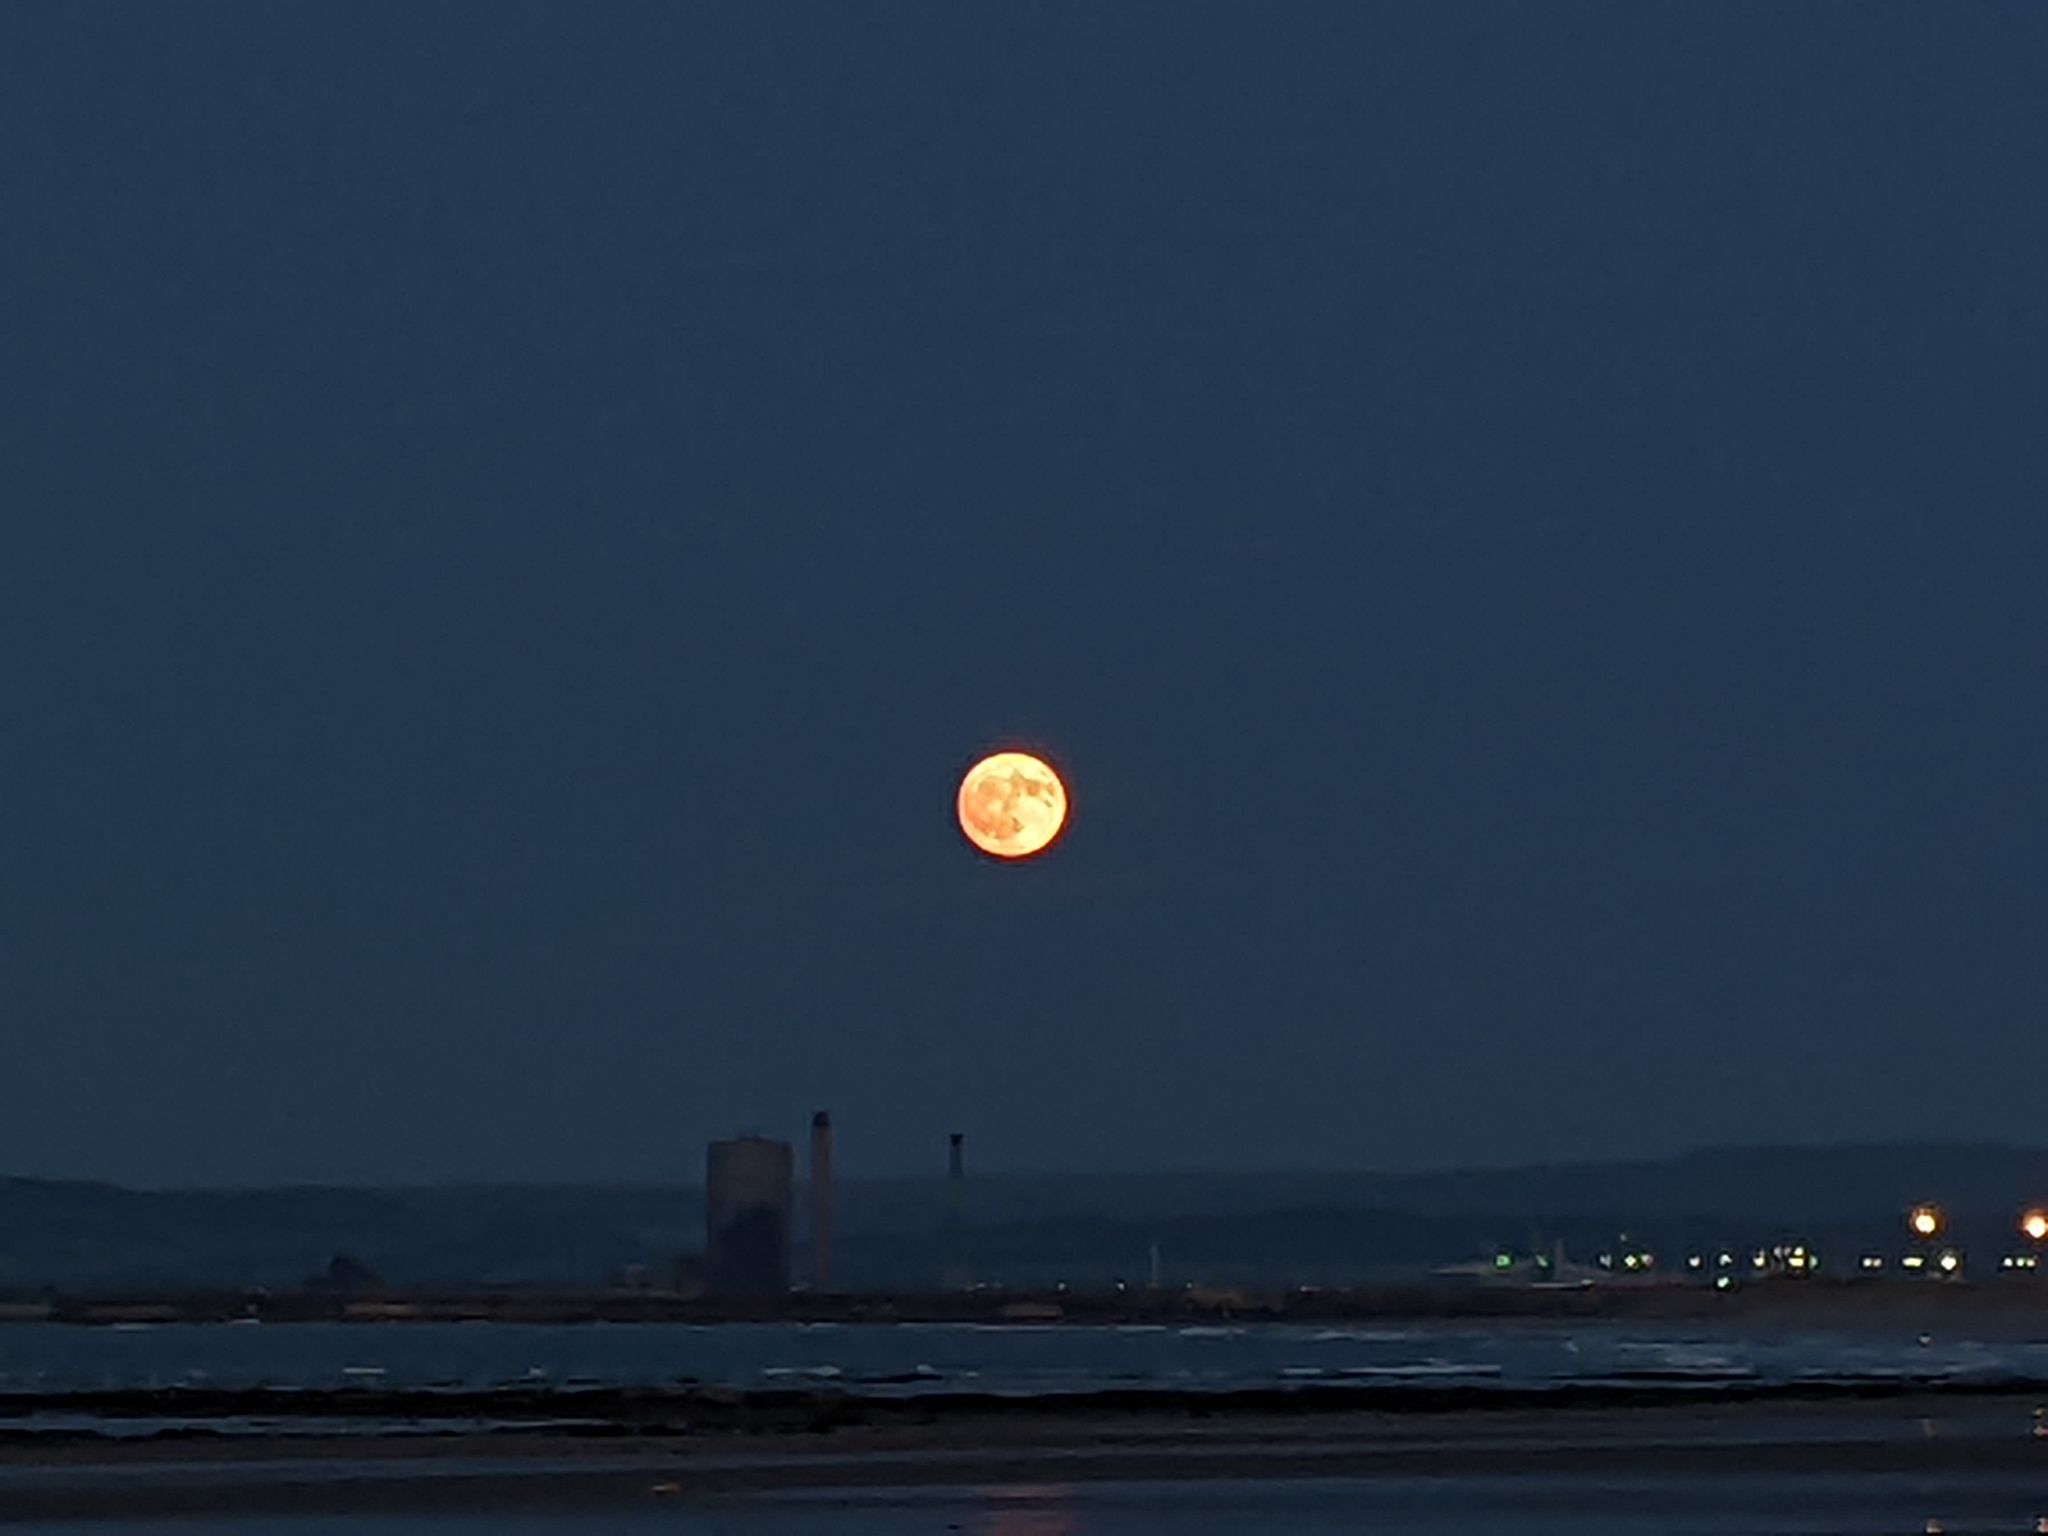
[{"x": 1952, "y": 1439}]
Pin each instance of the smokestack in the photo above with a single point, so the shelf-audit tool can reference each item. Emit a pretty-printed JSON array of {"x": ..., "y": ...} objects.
[{"x": 821, "y": 1200}]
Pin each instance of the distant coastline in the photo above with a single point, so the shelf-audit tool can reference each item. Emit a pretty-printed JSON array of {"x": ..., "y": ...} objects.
[
  {"x": 2021, "y": 1298},
  {"x": 1713, "y": 1213}
]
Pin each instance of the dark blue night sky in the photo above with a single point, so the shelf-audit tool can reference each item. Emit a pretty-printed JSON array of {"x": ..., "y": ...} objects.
[{"x": 1525, "y": 526}]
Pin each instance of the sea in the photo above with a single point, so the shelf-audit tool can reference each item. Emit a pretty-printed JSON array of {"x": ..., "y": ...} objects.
[
  {"x": 44, "y": 1368},
  {"x": 909, "y": 1359}
]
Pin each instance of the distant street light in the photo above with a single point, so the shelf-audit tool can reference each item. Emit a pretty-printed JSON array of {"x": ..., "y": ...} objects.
[
  {"x": 1925, "y": 1220},
  {"x": 2034, "y": 1225}
]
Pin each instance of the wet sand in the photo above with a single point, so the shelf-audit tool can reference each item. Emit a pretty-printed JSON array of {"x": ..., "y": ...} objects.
[{"x": 1947, "y": 1448}]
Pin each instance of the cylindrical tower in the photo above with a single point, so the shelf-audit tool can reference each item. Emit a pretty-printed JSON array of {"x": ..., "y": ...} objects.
[{"x": 747, "y": 1189}]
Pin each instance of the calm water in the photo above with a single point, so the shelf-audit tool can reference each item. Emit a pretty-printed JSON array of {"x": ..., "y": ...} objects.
[
  {"x": 909, "y": 1359},
  {"x": 48, "y": 1359}
]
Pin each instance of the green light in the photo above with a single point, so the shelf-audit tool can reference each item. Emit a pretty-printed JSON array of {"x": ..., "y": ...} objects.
[{"x": 1503, "y": 1261}]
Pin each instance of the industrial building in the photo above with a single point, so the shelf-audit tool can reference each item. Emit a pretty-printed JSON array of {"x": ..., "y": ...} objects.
[{"x": 749, "y": 1202}]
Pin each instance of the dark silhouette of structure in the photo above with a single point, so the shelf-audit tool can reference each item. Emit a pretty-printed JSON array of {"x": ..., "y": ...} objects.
[
  {"x": 345, "y": 1275},
  {"x": 821, "y": 1201},
  {"x": 748, "y": 1197}
]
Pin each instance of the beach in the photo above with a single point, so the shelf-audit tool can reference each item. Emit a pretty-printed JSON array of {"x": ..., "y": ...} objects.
[{"x": 1960, "y": 1461}]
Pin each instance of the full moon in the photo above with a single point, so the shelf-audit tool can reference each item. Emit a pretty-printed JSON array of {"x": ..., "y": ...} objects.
[{"x": 1012, "y": 805}]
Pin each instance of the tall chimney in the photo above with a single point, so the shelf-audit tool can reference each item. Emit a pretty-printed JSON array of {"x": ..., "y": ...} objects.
[{"x": 821, "y": 1200}]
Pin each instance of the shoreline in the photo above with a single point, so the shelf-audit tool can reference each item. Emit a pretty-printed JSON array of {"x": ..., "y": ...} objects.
[{"x": 612, "y": 1411}]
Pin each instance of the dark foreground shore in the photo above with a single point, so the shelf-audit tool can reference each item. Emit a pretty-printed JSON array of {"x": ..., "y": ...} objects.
[{"x": 1931, "y": 1441}]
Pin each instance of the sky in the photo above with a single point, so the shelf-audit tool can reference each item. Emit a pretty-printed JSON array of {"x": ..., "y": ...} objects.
[{"x": 1525, "y": 528}]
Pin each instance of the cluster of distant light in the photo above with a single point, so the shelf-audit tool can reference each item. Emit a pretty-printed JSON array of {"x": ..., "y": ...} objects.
[
  {"x": 1924, "y": 1222},
  {"x": 1927, "y": 1221},
  {"x": 1781, "y": 1259}
]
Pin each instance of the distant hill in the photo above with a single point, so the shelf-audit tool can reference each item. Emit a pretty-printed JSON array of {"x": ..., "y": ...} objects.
[
  {"x": 103, "y": 1237},
  {"x": 1273, "y": 1229}
]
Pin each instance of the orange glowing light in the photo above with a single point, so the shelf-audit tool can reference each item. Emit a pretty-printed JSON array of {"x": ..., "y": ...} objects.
[
  {"x": 2035, "y": 1225},
  {"x": 1925, "y": 1220},
  {"x": 1012, "y": 805}
]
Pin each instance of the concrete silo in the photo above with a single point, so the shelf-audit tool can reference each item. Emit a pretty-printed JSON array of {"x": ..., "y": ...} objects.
[{"x": 749, "y": 1200}]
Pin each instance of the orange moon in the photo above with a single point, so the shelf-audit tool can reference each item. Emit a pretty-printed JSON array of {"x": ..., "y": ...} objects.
[{"x": 1012, "y": 805}]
